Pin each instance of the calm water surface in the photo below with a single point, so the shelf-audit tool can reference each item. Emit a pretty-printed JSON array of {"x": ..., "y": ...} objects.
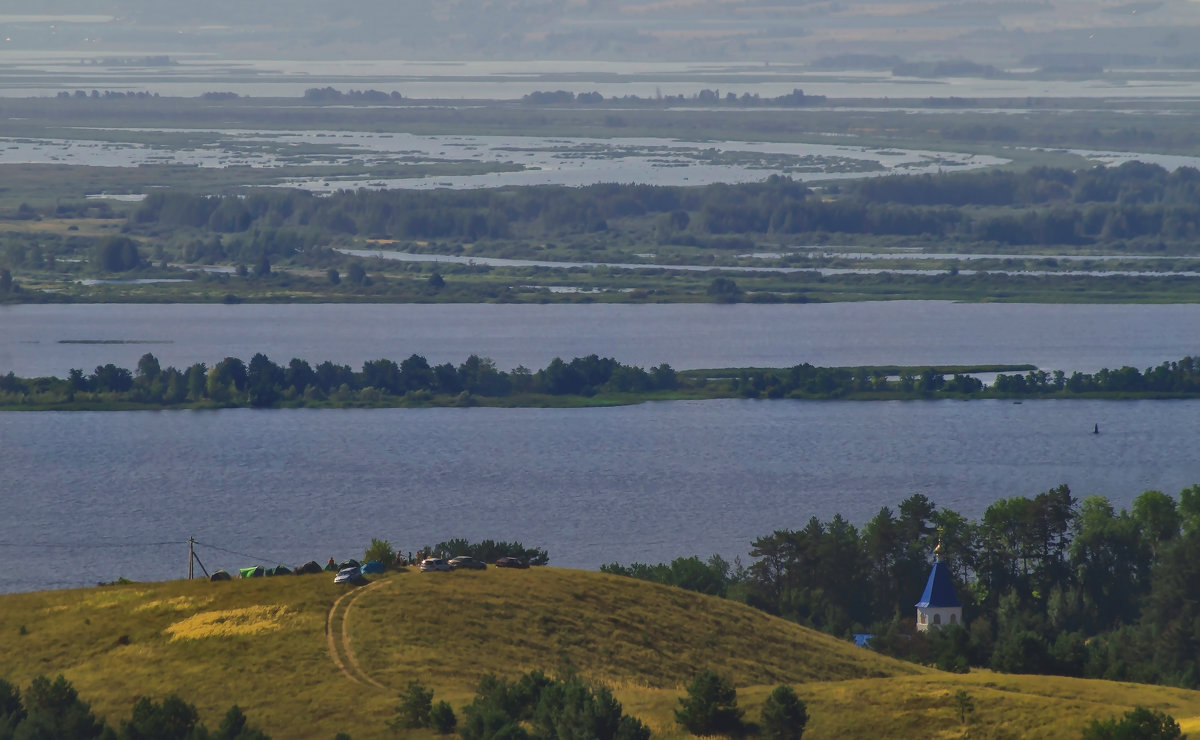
[
  {"x": 41, "y": 340},
  {"x": 93, "y": 496}
]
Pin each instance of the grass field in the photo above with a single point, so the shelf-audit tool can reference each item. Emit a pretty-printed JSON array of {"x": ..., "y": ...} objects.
[{"x": 306, "y": 659}]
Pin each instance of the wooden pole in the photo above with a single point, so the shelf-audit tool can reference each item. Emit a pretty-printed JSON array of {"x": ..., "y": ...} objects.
[{"x": 191, "y": 555}]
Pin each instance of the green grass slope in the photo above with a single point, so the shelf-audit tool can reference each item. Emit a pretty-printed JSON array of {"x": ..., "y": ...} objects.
[{"x": 306, "y": 659}]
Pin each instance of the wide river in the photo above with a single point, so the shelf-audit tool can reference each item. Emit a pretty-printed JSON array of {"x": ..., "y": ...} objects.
[
  {"x": 89, "y": 497},
  {"x": 51, "y": 339}
]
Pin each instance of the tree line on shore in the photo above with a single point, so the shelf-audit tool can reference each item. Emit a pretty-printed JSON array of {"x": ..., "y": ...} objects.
[
  {"x": 1050, "y": 584},
  {"x": 413, "y": 381},
  {"x": 263, "y": 383}
]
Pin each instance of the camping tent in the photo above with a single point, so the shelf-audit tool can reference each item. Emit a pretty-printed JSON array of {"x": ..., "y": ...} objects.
[
  {"x": 372, "y": 566},
  {"x": 256, "y": 572},
  {"x": 311, "y": 566}
]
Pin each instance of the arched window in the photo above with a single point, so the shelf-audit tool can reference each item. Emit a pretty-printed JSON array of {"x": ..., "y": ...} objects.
[
  {"x": 953, "y": 619},
  {"x": 922, "y": 617},
  {"x": 937, "y": 618}
]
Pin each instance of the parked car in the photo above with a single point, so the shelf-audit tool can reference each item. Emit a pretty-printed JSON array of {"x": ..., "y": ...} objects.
[
  {"x": 429, "y": 565},
  {"x": 467, "y": 562},
  {"x": 507, "y": 562},
  {"x": 353, "y": 574}
]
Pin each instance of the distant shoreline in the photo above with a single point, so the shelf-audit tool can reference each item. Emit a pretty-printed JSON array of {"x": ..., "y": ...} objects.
[{"x": 584, "y": 382}]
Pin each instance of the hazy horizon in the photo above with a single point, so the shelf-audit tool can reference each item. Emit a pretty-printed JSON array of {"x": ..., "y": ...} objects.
[{"x": 875, "y": 33}]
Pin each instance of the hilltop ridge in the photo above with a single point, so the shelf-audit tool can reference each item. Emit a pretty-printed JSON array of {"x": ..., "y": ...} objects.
[{"x": 305, "y": 658}]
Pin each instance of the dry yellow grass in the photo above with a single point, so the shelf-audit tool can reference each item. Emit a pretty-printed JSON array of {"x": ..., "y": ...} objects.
[
  {"x": 452, "y": 629},
  {"x": 250, "y": 620},
  {"x": 263, "y": 644}
]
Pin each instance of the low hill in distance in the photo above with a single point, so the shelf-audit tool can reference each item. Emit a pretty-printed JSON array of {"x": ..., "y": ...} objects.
[{"x": 305, "y": 658}]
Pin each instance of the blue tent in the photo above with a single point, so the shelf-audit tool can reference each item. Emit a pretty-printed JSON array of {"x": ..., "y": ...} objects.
[{"x": 372, "y": 566}]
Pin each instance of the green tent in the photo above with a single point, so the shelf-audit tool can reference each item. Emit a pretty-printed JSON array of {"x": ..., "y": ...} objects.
[{"x": 256, "y": 572}]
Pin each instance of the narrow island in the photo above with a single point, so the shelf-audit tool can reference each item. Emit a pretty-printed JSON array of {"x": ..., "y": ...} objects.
[{"x": 582, "y": 382}]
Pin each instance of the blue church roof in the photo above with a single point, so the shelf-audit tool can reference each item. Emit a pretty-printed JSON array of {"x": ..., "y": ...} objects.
[{"x": 939, "y": 589}]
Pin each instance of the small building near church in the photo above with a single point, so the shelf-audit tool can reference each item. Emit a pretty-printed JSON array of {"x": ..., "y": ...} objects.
[{"x": 939, "y": 604}]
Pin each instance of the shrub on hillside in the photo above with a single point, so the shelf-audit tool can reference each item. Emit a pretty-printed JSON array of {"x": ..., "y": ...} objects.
[
  {"x": 783, "y": 716},
  {"x": 442, "y": 719},
  {"x": 710, "y": 707},
  {"x": 554, "y": 710},
  {"x": 53, "y": 709},
  {"x": 1139, "y": 723},
  {"x": 416, "y": 702}
]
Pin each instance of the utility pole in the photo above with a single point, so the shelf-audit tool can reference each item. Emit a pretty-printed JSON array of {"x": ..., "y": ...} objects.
[{"x": 191, "y": 555}]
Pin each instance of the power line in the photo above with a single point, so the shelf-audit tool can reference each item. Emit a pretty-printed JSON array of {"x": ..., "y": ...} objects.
[
  {"x": 239, "y": 554},
  {"x": 95, "y": 546}
]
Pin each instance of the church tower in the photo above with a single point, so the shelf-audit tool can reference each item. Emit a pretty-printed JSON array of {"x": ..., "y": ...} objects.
[{"x": 939, "y": 605}]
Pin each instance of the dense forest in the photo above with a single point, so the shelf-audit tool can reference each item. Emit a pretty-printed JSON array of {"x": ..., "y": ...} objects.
[
  {"x": 1041, "y": 206},
  {"x": 414, "y": 382},
  {"x": 1050, "y": 584}
]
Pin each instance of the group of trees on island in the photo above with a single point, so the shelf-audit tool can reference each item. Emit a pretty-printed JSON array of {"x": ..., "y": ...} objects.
[
  {"x": 1042, "y": 206},
  {"x": 1050, "y": 584},
  {"x": 264, "y": 383},
  {"x": 1169, "y": 378},
  {"x": 413, "y": 381}
]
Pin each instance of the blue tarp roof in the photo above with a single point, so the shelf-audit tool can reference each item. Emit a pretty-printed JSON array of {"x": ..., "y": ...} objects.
[{"x": 939, "y": 589}]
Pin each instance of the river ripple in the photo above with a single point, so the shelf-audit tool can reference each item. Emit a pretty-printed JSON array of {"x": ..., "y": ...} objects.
[
  {"x": 91, "y": 496},
  {"x": 40, "y": 340}
]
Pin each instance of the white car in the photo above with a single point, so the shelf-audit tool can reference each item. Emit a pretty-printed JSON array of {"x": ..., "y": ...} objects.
[{"x": 434, "y": 564}]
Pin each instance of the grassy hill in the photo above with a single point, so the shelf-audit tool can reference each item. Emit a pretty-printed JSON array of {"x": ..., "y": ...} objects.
[{"x": 305, "y": 658}]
